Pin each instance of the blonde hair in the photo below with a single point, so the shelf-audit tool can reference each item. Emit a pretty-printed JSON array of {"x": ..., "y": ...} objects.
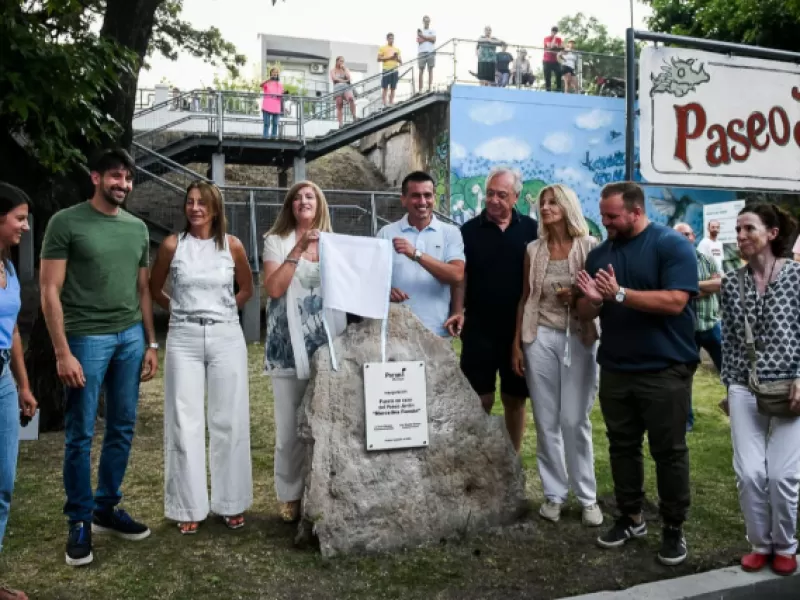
[
  {"x": 212, "y": 196},
  {"x": 286, "y": 222},
  {"x": 568, "y": 202}
]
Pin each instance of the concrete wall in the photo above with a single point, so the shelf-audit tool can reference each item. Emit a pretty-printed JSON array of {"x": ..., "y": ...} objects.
[{"x": 421, "y": 144}]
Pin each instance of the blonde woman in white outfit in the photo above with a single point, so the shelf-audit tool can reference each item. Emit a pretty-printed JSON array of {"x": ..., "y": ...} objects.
[
  {"x": 295, "y": 328},
  {"x": 205, "y": 350},
  {"x": 555, "y": 352}
]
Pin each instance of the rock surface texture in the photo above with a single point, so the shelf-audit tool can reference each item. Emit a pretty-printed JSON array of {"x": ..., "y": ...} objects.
[{"x": 467, "y": 480}]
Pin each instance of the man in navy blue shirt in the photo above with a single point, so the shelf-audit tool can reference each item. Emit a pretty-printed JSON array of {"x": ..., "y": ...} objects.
[
  {"x": 640, "y": 282},
  {"x": 494, "y": 246}
]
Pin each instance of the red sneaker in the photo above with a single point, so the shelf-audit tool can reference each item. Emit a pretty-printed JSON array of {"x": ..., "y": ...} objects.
[
  {"x": 784, "y": 565},
  {"x": 754, "y": 561}
]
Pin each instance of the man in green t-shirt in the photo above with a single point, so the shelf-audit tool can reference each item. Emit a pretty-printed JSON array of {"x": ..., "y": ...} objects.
[{"x": 96, "y": 302}]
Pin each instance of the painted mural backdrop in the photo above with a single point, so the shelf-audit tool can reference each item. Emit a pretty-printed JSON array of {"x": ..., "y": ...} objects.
[{"x": 551, "y": 138}]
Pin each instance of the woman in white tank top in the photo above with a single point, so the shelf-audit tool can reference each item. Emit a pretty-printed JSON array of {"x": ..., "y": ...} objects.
[{"x": 205, "y": 349}]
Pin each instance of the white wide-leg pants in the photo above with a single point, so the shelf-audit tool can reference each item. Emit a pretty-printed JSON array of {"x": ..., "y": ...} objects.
[
  {"x": 766, "y": 460},
  {"x": 212, "y": 357},
  {"x": 562, "y": 398},
  {"x": 289, "y": 449}
]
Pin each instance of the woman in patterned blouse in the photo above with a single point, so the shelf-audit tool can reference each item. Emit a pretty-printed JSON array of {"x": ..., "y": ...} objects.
[{"x": 766, "y": 449}]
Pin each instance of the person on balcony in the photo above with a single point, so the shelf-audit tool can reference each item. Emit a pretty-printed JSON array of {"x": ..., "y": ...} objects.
[
  {"x": 272, "y": 104},
  {"x": 426, "y": 53},
  {"x": 522, "y": 71},
  {"x": 503, "y": 61},
  {"x": 340, "y": 75},
  {"x": 550, "y": 64},
  {"x": 487, "y": 53},
  {"x": 569, "y": 64},
  {"x": 206, "y": 351},
  {"x": 295, "y": 328},
  {"x": 389, "y": 56}
]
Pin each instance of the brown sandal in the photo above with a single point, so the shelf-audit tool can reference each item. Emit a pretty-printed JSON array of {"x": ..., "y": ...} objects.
[
  {"x": 188, "y": 527},
  {"x": 289, "y": 511},
  {"x": 234, "y": 522}
]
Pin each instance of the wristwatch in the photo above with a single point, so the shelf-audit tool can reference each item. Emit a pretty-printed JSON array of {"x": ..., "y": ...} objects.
[
  {"x": 417, "y": 256},
  {"x": 620, "y": 295},
  {"x": 152, "y": 346}
]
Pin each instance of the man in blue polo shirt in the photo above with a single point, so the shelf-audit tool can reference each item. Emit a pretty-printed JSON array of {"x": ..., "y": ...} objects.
[
  {"x": 640, "y": 282},
  {"x": 429, "y": 254}
]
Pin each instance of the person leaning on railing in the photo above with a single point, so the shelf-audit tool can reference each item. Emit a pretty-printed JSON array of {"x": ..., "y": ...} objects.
[{"x": 340, "y": 75}]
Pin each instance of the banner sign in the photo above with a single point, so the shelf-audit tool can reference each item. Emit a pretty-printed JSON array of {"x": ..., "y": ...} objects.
[
  {"x": 725, "y": 214},
  {"x": 396, "y": 405},
  {"x": 713, "y": 120}
]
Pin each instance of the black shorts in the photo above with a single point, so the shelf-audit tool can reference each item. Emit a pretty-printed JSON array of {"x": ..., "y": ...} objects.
[
  {"x": 483, "y": 356},
  {"x": 565, "y": 70},
  {"x": 486, "y": 71},
  {"x": 389, "y": 79}
]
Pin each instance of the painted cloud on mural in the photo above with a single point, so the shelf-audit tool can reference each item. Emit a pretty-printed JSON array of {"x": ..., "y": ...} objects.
[
  {"x": 595, "y": 119},
  {"x": 558, "y": 143},
  {"x": 491, "y": 113},
  {"x": 503, "y": 149}
]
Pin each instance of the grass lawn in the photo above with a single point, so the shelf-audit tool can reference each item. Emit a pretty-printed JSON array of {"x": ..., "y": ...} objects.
[{"x": 535, "y": 559}]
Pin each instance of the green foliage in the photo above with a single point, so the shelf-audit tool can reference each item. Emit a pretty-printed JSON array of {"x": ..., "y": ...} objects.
[
  {"x": 768, "y": 23},
  {"x": 54, "y": 74},
  {"x": 604, "y": 54}
]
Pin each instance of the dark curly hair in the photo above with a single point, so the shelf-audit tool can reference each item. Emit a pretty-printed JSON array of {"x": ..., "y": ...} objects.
[{"x": 775, "y": 217}]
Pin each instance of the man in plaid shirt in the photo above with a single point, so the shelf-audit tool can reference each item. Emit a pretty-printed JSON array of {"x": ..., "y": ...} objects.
[{"x": 707, "y": 328}]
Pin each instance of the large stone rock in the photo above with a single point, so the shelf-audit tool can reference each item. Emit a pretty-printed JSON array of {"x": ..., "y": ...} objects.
[{"x": 468, "y": 479}]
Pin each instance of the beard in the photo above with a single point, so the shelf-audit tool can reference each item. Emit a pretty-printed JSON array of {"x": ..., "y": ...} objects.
[{"x": 108, "y": 194}]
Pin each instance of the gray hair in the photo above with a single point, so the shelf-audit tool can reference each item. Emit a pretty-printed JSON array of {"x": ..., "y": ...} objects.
[
  {"x": 681, "y": 225},
  {"x": 515, "y": 174}
]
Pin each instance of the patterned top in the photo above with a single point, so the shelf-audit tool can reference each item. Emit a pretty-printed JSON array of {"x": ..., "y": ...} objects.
[
  {"x": 707, "y": 307},
  {"x": 487, "y": 49},
  {"x": 775, "y": 319},
  {"x": 552, "y": 312},
  {"x": 279, "y": 352},
  {"x": 202, "y": 279}
]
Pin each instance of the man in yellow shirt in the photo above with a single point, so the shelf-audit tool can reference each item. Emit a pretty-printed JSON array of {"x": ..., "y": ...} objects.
[{"x": 389, "y": 55}]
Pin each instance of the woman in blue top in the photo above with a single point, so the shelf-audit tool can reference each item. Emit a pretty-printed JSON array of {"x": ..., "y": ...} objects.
[{"x": 13, "y": 223}]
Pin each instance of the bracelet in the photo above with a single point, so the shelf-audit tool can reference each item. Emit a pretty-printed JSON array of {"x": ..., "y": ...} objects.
[{"x": 292, "y": 261}]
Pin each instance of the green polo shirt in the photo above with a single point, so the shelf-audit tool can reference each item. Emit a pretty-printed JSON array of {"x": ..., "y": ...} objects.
[{"x": 707, "y": 307}]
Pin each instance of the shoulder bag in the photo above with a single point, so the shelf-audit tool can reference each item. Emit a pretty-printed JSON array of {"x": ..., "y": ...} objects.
[{"x": 772, "y": 396}]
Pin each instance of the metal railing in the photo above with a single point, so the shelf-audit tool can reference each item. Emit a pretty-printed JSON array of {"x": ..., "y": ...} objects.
[{"x": 229, "y": 112}]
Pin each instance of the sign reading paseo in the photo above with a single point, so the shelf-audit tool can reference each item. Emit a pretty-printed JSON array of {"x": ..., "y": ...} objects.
[{"x": 719, "y": 121}]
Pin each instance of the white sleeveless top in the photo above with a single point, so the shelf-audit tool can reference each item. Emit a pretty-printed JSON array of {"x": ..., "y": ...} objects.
[{"x": 202, "y": 278}]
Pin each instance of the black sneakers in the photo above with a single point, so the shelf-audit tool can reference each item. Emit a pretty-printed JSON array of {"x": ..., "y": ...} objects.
[
  {"x": 673, "y": 546},
  {"x": 79, "y": 544},
  {"x": 623, "y": 530},
  {"x": 119, "y": 523}
]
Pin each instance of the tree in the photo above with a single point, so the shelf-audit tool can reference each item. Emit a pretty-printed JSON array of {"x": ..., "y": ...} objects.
[
  {"x": 768, "y": 23},
  {"x": 65, "y": 90},
  {"x": 602, "y": 54}
]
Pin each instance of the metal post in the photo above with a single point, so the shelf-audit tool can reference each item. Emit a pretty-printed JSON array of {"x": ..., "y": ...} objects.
[
  {"x": 220, "y": 116},
  {"x": 630, "y": 103},
  {"x": 251, "y": 312},
  {"x": 301, "y": 128},
  {"x": 455, "y": 59},
  {"x": 374, "y": 214}
]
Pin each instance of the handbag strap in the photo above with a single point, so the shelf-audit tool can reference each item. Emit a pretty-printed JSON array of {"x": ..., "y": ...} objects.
[{"x": 749, "y": 340}]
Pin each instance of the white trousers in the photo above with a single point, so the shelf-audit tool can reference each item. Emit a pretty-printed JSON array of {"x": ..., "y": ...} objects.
[
  {"x": 212, "y": 357},
  {"x": 766, "y": 460},
  {"x": 562, "y": 398},
  {"x": 289, "y": 449}
]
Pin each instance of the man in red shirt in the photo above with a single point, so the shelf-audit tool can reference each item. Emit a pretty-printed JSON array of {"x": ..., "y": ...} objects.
[{"x": 552, "y": 45}]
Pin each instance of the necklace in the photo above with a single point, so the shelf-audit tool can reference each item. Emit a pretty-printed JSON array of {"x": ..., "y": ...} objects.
[{"x": 760, "y": 305}]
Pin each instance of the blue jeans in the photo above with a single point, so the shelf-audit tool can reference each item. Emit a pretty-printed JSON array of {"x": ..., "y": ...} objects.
[
  {"x": 270, "y": 124},
  {"x": 9, "y": 444},
  {"x": 711, "y": 341},
  {"x": 113, "y": 361}
]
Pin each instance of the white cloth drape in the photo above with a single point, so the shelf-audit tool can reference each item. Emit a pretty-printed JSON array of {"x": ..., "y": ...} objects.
[{"x": 356, "y": 275}]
